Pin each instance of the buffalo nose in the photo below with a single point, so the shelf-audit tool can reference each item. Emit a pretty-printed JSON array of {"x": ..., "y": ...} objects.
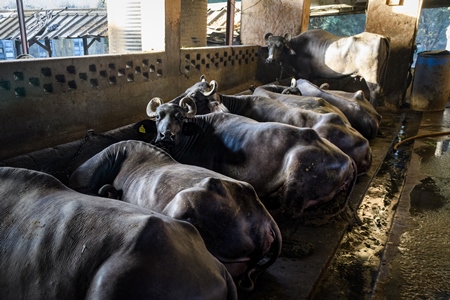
[{"x": 168, "y": 135}]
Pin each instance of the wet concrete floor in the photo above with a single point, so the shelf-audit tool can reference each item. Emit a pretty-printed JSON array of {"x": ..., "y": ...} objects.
[
  {"x": 416, "y": 264},
  {"x": 400, "y": 249}
]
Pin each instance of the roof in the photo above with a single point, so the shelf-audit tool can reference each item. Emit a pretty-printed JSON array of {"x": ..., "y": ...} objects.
[
  {"x": 217, "y": 22},
  {"x": 55, "y": 24}
]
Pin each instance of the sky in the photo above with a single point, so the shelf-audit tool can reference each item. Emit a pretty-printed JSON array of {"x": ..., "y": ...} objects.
[{"x": 48, "y": 4}]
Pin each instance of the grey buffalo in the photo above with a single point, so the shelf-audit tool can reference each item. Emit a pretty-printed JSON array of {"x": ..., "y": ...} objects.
[
  {"x": 59, "y": 244},
  {"x": 316, "y": 54},
  {"x": 235, "y": 225},
  {"x": 290, "y": 168}
]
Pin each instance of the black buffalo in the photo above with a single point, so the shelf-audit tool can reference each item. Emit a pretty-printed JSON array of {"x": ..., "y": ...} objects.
[
  {"x": 358, "y": 110},
  {"x": 288, "y": 166},
  {"x": 236, "y": 227},
  {"x": 59, "y": 244},
  {"x": 284, "y": 94},
  {"x": 200, "y": 91},
  {"x": 318, "y": 54},
  {"x": 328, "y": 125}
]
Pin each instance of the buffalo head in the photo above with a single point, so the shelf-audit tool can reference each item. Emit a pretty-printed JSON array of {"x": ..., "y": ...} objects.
[
  {"x": 236, "y": 227},
  {"x": 171, "y": 120},
  {"x": 201, "y": 92},
  {"x": 277, "y": 45}
]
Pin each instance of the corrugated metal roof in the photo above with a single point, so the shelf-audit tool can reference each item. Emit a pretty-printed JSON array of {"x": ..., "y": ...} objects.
[
  {"x": 217, "y": 21},
  {"x": 55, "y": 24},
  {"x": 77, "y": 23}
]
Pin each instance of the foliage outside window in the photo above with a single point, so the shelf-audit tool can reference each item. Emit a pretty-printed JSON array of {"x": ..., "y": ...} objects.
[
  {"x": 431, "y": 33},
  {"x": 341, "y": 25}
]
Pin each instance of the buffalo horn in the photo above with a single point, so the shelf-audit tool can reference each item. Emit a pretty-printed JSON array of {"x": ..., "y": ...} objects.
[
  {"x": 190, "y": 106},
  {"x": 267, "y": 36},
  {"x": 293, "y": 82},
  {"x": 213, "y": 83},
  {"x": 152, "y": 106}
]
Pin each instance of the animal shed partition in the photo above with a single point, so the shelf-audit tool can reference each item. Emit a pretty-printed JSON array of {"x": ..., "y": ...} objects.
[{"x": 47, "y": 102}]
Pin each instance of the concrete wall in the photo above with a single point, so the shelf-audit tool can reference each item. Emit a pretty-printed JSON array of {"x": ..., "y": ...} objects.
[
  {"x": 275, "y": 16},
  {"x": 193, "y": 23},
  {"x": 399, "y": 23},
  {"x": 46, "y": 102}
]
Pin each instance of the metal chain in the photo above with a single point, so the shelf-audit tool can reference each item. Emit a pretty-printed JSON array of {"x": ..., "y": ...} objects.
[{"x": 80, "y": 149}]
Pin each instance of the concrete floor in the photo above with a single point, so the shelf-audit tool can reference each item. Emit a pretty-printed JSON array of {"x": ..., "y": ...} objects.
[{"x": 400, "y": 249}]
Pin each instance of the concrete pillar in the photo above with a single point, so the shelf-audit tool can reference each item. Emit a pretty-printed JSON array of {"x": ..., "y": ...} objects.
[
  {"x": 193, "y": 23},
  {"x": 172, "y": 35},
  {"x": 398, "y": 20},
  {"x": 259, "y": 17}
]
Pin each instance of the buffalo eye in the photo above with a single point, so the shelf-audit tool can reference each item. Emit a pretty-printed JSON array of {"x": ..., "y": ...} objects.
[{"x": 179, "y": 117}]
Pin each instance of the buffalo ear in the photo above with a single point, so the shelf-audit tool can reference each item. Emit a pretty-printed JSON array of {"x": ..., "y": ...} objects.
[
  {"x": 191, "y": 128},
  {"x": 180, "y": 208},
  {"x": 359, "y": 95},
  {"x": 214, "y": 184},
  {"x": 145, "y": 126},
  {"x": 109, "y": 191},
  {"x": 287, "y": 38}
]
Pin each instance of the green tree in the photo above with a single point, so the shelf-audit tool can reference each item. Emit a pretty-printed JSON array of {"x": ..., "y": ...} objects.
[
  {"x": 433, "y": 23},
  {"x": 342, "y": 25}
]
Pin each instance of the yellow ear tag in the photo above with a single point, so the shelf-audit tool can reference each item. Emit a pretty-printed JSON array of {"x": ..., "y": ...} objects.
[{"x": 142, "y": 129}]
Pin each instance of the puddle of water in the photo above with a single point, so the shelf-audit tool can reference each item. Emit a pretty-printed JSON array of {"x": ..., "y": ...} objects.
[
  {"x": 425, "y": 197},
  {"x": 421, "y": 269}
]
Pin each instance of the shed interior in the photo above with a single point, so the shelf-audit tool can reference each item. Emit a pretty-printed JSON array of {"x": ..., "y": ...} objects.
[{"x": 57, "y": 112}]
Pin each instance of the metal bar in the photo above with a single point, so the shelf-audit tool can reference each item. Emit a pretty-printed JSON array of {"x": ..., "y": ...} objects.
[
  {"x": 230, "y": 22},
  {"x": 48, "y": 47},
  {"x": 85, "y": 46},
  {"x": 23, "y": 30}
]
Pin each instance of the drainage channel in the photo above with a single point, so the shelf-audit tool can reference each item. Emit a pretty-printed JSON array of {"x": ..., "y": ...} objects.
[{"x": 353, "y": 272}]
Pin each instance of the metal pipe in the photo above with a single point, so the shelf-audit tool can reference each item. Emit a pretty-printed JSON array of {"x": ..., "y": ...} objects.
[
  {"x": 231, "y": 4},
  {"x": 23, "y": 30}
]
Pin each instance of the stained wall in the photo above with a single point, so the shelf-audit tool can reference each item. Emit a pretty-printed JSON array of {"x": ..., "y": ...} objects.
[
  {"x": 47, "y": 102},
  {"x": 399, "y": 23},
  {"x": 275, "y": 16}
]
